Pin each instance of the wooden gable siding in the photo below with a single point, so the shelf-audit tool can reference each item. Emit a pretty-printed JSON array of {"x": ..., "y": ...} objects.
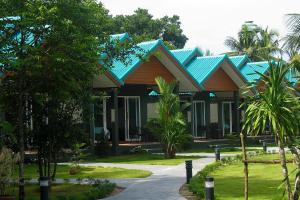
[
  {"x": 220, "y": 81},
  {"x": 148, "y": 71}
]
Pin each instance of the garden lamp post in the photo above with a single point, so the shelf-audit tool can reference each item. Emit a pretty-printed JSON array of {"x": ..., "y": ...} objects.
[
  {"x": 209, "y": 188},
  {"x": 189, "y": 170},
  {"x": 44, "y": 186}
]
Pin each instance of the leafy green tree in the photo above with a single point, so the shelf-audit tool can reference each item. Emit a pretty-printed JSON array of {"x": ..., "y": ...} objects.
[
  {"x": 258, "y": 43},
  {"x": 142, "y": 26},
  {"x": 49, "y": 52},
  {"x": 170, "y": 126},
  {"x": 276, "y": 105}
]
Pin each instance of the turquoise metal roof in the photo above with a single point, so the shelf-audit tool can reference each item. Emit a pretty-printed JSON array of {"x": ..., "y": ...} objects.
[
  {"x": 122, "y": 69},
  {"x": 211, "y": 94},
  {"x": 153, "y": 93},
  {"x": 185, "y": 55},
  {"x": 239, "y": 61},
  {"x": 292, "y": 77},
  {"x": 121, "y": 37},
  {"x": 202, "y": 67},
  {"x": 250, "y": 70}
]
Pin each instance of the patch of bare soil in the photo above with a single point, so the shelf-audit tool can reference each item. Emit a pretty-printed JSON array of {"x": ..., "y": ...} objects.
[{"x": 185, "y": 192}]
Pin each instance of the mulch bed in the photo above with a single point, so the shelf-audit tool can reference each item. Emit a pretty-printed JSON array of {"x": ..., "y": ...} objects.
[
  {"x": 185, "y": 192},
  {"x": 116, "y": 191}
]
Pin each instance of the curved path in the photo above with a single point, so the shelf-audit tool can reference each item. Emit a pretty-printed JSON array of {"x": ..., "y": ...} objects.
[{"x": 163, "y": 184}]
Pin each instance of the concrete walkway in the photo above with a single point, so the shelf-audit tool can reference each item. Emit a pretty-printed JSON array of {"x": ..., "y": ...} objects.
[{"x": 163, "y": 184}]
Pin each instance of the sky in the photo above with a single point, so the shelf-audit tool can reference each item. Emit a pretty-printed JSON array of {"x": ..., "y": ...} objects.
[{"x": 207, "y": 23}]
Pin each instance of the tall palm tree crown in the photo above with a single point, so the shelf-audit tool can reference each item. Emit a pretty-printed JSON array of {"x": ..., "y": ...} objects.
[
  {"x": 258, "y": 43},
  {"x": 292, "y": 40}
]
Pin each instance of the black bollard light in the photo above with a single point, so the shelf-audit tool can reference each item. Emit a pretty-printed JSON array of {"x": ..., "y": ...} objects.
[
  {"x": 217, "y": 153},
  {"x": 44, "y": 187},
  {"x": 209, "y": 188},
  {"x": 189, "y": 170},
  {"x": 264, "y": 146},
  {"x": 21, "y": 189}
]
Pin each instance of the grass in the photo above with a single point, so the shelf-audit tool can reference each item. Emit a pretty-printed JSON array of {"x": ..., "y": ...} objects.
[
  {"x": 145, "y": 159},
  {"x": 31, "y": 171},
  {"x": 69, "y": 191},
  {"x": 225, "y": 150},
  {"x": 265, "y": 180},
  {"x": 271, "y": 157}
]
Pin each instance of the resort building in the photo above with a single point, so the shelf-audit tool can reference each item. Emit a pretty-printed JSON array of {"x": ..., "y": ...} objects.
[{"x": 212, "y": 85}]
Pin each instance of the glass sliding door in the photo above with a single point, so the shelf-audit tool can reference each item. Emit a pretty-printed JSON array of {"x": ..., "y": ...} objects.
[
  {"x": 227, "y": 117},
  {"x": 199, "y": 129},
  {"x": 129, "y": 117},
  {"x": 132, "y": 121}
]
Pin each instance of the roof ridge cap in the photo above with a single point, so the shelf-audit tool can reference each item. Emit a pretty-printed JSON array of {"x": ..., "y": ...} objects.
[
  {"x": 157, "y": 40},
  {"x": 184, "y": 49},
  {"x": 214, "y": 56}
]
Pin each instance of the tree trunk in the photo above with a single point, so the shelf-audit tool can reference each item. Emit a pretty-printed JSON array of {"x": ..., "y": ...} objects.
[
  {"x": 54, "y": 170},
  {"x": 170, "y": 152},
  {"x": 297, "y": 187},
  {"x": 21, "y": 145},
  {"x": 246, "y": 180},
  {"x": 285, "y": 170},
  {"x": 296, "y": 156}
]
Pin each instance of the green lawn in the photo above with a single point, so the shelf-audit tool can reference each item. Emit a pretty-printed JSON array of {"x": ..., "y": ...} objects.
[
  {"x": 225, "y": 150},
  {"x": 66, "y": 191},
  {"x": 31, "y": 171},
  {"x": 264, "y": 180},
  {"x": 32, "y": 191},
  {"x": 146, "y": 159}
]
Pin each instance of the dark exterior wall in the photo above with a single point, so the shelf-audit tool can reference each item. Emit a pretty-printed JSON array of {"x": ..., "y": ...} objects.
[
  {"x": 208, "y": 100},
  {"x": 129, "y": 90}
]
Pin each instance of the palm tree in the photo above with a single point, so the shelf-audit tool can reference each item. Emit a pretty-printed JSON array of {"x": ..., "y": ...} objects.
[
  {"x": 170, "y": 126},
  {"x": 292, "y": 40},
  {"x": 267, "y": 43},
  {"x": 256, "y": 42},
  {"x": 277, "y": 106},
  {"x": 244, "y": 43}
]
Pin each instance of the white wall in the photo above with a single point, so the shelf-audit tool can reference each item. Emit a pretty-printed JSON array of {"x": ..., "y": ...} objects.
[
  {"x": 213, "y": 113},
  {"x": 151, "y": 111}
]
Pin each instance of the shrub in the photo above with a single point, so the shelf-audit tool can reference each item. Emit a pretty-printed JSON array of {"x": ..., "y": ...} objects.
[
  {"x": 170, "y": 126},
  {"x": 74, "y": 170},
  {"x": 100, "y": 190},
  {"x": 8, "y": 161},
  {"x": 197, "y": 182}
]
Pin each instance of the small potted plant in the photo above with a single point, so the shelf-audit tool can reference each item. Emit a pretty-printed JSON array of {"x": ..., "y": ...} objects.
[{"x": 8, "y": 161}]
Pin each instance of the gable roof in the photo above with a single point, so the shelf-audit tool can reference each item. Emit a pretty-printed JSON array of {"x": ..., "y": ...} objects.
[
  {"x": 239, "y": 61},
  {"x": 185, "y": 55},
  {"x": 250, "y": 70},
  {"x": 121, "y": 70},
  {"x": 202, "y": 67}
]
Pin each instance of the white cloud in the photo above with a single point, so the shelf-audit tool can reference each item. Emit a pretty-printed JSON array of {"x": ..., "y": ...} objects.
[{"x": 207, "y": 23}]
